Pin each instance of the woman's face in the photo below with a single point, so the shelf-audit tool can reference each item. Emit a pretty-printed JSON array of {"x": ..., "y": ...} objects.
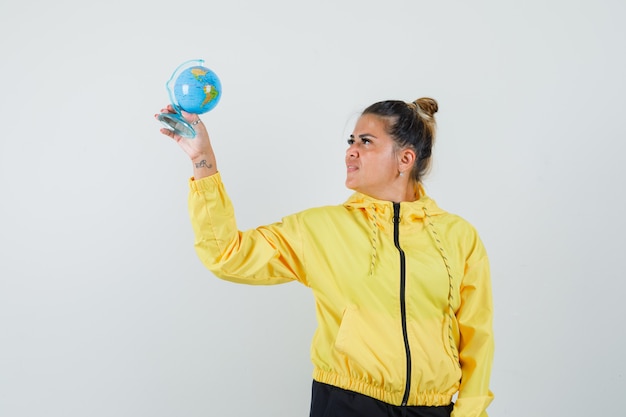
[{"x": 371, "y": 159}]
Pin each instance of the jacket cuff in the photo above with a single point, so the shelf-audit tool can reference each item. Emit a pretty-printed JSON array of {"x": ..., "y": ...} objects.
[{"x": 205, "y": 184}]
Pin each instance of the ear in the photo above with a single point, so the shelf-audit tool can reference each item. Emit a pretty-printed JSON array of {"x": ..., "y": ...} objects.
[{"x": 406, "y": 160}]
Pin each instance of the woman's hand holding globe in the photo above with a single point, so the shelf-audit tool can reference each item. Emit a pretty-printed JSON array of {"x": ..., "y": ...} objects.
[
  {"x": 194, "y": 90},
  {"x": 198, "y": 149}
]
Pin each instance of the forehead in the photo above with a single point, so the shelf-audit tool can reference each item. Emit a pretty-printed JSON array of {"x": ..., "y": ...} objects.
[{"x": 371, "y": 124}]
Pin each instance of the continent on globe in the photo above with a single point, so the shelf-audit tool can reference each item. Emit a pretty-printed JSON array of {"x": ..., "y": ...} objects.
[
  {"x": 200, "y": 74},
  {"x": 197, "y": 89}
]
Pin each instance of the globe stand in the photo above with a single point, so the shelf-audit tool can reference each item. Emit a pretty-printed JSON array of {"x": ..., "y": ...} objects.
[{"x": 177, "y": 124}]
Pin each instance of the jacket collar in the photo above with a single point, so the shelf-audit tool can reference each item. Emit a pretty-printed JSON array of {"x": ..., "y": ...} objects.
[
  {"x": 415, "y": 209},
  {"x": 380, "y": 213}
]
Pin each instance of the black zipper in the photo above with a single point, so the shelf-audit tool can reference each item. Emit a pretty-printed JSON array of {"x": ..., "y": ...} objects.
[{"x": 405, "y": 334}]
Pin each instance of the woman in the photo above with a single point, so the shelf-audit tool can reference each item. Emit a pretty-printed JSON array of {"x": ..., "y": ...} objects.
[{"x": 402, "y": 288}]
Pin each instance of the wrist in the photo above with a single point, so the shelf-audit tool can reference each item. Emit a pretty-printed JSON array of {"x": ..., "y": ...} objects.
[
  {"x": 203, "y": 166},
  {"x": 199, "y": 157}
]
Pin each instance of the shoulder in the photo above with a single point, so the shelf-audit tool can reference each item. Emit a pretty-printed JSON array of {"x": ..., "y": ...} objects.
[
  {"x": 457, "y": 221},
  {"x": 459, "y": 233},
  {"x": 326, "y": 222},
  {"x": 321, "y": 214}
]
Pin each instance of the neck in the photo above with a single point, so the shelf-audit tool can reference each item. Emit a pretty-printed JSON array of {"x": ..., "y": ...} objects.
[
  {"x": 411, "y": 192},
  {"x": 408, "y": 191}
]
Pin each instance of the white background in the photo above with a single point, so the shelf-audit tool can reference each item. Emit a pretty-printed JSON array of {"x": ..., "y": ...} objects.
[{"x": 105, "y": 309}]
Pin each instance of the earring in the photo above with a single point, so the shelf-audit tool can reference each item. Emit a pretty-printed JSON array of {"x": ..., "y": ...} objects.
[{"x": 401, "y": 173}]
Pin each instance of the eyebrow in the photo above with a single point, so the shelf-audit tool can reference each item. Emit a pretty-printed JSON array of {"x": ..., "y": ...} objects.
[{"x": 364, "y": 135}]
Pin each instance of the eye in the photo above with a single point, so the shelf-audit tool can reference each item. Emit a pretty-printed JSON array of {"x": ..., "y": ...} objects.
[{"x": 363, "y": 140}]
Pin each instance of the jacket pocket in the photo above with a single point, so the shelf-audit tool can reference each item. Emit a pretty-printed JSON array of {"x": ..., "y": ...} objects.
[
  {"x": 371, "y": 343},
  {"x": 435, "y": 365}
]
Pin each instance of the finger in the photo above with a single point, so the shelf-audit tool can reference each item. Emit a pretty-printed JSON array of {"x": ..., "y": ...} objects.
[
  {"x": 168, "y": 109},
  {"x": 167, "y": 132},
  {"x": 190, "y": 117}
]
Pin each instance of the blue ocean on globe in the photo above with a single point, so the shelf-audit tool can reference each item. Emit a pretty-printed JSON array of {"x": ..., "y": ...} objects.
[{"x": 197, "y": 90}]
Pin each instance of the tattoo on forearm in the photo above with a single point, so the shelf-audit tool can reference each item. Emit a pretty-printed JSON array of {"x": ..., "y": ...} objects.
[{"x": 204, "y": 163}]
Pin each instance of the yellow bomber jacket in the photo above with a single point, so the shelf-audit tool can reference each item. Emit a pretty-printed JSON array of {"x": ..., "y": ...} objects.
[{"x": 403, "y": 300}]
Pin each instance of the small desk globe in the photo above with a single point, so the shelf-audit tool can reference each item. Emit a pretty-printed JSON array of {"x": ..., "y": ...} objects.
[{"x": 193, "y": 88}]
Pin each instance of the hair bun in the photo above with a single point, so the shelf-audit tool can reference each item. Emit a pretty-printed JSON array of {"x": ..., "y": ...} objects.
[{"x": 427, "y": 105}]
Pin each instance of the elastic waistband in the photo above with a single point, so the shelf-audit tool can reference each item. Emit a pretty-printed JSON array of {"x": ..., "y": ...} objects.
[{"x": 427, "y": 398}]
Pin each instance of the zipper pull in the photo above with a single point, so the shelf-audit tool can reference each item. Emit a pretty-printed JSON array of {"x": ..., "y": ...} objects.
[{"x": 396, "y": 213}]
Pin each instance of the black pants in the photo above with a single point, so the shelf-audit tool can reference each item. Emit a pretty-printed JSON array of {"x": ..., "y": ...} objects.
[{"x": 331, "y": 401}]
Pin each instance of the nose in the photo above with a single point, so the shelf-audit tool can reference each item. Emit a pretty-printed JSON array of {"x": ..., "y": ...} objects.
[{"x": 351, "y": 152}]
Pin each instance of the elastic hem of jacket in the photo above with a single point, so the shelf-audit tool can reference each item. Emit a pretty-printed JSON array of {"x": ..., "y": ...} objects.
[
  {"x": 206, "y": 183},
  {"x": 365, "y": 388}
]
